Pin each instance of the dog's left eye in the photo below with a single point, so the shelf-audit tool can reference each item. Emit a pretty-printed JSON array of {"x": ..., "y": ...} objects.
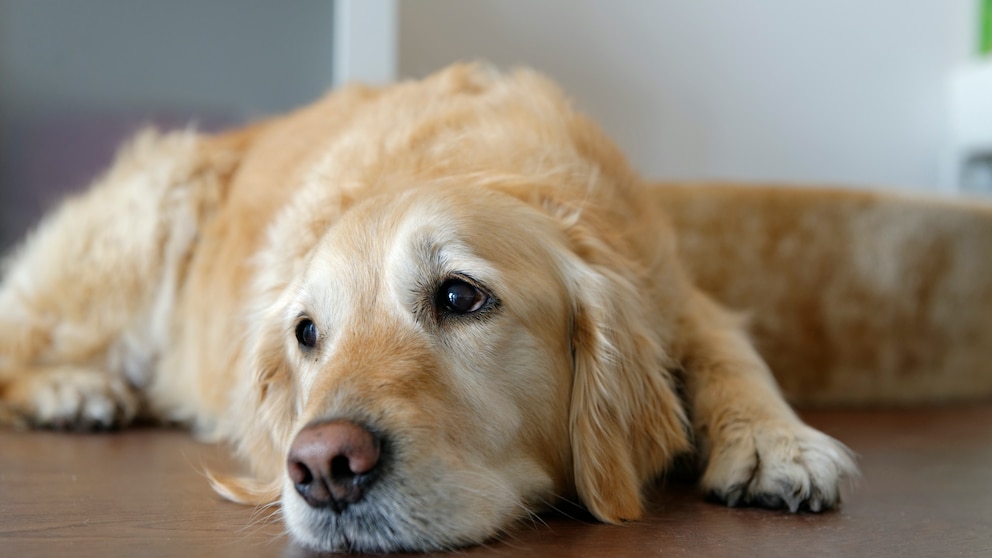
[{"x": 457, "y": 296}]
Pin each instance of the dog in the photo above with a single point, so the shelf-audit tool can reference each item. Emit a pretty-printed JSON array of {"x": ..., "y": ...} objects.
[{"x": 420, "y": 313}]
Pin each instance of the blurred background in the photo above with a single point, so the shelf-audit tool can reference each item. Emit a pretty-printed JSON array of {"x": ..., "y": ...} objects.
[{"x": 860, "y": 93}]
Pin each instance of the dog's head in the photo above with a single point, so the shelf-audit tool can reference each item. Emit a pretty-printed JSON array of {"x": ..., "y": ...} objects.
[{"x": 468, "y": 332}]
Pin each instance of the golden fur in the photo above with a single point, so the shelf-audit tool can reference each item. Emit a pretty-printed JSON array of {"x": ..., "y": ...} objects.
[
  {"x": 853, "y": 297},
  {"x": 172, "y": 289}
]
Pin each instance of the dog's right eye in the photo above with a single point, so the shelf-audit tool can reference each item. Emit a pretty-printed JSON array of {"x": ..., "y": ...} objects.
[
  {"x": 457, "y": 296},
  {"x": 306, "y": 333}
]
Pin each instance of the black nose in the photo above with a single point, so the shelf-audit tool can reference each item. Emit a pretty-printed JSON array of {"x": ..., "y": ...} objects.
[{"x": 333, "y": 464}]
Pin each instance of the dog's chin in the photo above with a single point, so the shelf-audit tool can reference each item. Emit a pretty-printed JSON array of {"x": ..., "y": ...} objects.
[
  {"x": 362, "y": 527},
  {"x": 397, "y": 516}
]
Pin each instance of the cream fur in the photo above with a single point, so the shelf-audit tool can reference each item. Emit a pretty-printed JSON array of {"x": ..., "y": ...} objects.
[
  {"x": 174, "y": 285},
  {"x": 853, "y": 297}
]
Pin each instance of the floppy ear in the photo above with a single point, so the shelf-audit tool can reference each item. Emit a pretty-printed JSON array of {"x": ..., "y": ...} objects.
[
  {"x": 269, "y": 399},
  {"x": 626, "y": 421}
]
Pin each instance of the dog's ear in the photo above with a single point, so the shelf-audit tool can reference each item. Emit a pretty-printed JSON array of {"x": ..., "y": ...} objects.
[
  {"x": 272, "y": 374},
  {"x": 626, "y": 420},
  {"x": 270, "y": 400}
]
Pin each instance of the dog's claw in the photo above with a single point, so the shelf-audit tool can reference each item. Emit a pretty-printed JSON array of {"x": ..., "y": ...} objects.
[{"x": 792, "y": 503}]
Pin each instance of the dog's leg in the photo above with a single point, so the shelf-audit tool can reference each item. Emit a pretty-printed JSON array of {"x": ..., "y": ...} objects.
[
  {"x": 85, "y": 301},
  {"x": 755, "y": 449}
]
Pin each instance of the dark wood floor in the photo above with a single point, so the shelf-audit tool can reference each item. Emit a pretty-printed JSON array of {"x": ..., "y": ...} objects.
[{"x": 926, "y": 490}]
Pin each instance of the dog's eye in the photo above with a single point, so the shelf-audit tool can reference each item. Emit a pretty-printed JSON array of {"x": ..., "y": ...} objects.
[
  {"x": 306, "y": 333},
  {"x": 456, "y": 296}
]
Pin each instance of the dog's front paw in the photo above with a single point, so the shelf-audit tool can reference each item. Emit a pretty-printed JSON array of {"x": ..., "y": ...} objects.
[
  {"x": 778, "y": 466},
  {"x": 71, "y": 399}
]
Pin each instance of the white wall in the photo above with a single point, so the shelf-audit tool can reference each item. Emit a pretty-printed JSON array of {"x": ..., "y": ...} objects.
[{"x": 850, "y": 92}]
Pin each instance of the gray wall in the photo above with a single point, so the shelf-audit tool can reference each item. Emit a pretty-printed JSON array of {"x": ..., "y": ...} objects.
[
  {"x": 76, "y": 77},
  {"x": 253, "y": 56}
]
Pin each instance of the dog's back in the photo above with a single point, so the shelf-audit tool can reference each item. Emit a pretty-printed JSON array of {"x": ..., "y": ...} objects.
[{"x": 854, "y": 297}]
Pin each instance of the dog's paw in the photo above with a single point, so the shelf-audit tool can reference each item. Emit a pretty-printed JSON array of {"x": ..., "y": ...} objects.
[
  {"x": 71, "y": 399},
  {"x": 788, "y": 466}
]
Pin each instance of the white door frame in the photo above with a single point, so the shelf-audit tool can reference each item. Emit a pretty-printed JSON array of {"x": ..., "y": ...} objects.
[{"x": 365, "y": 40}]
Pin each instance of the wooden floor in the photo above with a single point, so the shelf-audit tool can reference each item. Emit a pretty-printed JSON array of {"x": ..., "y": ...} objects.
[{"x": 926, "y": 490}]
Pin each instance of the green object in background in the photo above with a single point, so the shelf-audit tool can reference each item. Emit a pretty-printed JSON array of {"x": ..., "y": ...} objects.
[{"x": 985, "y": 36}]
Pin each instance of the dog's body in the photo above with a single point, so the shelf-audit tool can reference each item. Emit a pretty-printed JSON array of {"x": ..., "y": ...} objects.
[{"x": 420, "y": 312}]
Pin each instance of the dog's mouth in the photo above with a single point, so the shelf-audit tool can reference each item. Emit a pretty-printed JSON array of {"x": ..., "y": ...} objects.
[
  {"x": 360, "y": 527},
  {"x": 391, "y": 516}
]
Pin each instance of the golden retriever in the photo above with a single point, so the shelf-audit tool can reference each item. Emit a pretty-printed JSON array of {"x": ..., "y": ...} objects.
[{"x": 420, "y": 312}]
